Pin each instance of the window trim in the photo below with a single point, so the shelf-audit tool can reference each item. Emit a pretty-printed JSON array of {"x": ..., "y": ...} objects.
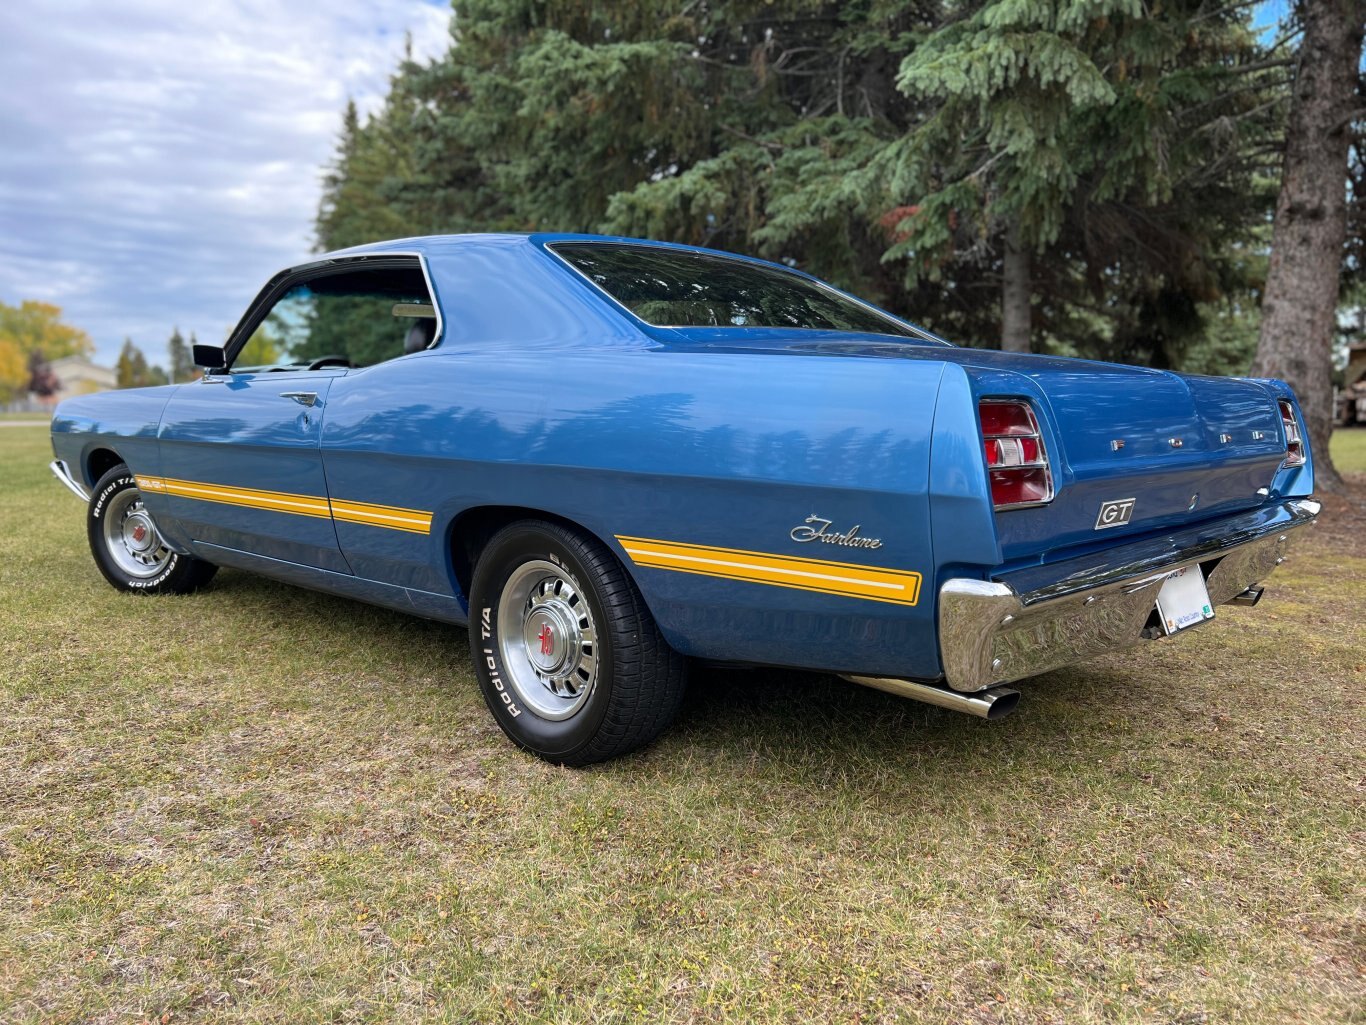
[
  {"x": 552, "y": 247},
  {"x": 284, "y": 280}
]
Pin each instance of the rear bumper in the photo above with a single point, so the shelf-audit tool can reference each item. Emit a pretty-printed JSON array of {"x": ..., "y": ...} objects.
[{"x": 1044, "y": 617}]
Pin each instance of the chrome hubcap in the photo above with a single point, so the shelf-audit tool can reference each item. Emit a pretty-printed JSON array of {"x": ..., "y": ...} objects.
[
  {"x": 131, "y": 538},
  {"x": 548, "y": 639}
]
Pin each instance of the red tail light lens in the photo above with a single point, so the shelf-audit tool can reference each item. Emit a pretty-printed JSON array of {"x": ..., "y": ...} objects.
[
  {"x": 1017, "y": 463},
  {"x": 1294, "y": 441}
]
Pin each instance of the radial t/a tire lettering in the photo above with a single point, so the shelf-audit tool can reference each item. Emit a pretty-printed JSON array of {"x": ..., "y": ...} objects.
[
  {"x": 567, "y": 655},
  {"x": 128, "y": 548}
]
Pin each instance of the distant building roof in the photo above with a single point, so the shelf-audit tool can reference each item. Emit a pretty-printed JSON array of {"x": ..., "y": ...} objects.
[{"x": 79, "y": 374}]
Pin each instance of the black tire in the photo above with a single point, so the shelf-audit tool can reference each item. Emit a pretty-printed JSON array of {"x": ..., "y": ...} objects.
[
  {"x": 127, "y": 545},
  {"x": 636, "y": 682}
]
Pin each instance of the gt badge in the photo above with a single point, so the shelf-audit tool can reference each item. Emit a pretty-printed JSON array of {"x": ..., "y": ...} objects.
[{"x": 1116, "y": 513}]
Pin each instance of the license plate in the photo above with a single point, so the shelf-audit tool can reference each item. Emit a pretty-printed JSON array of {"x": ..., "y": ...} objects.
[{"x": 1183, "y": 600}]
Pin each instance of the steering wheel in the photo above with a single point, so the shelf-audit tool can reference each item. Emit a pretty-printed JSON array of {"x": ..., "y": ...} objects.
[{"x": 329, "y": 361}]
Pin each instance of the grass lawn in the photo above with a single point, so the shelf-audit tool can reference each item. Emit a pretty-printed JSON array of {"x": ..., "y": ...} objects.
[
  {"x": 258, "y": 804},
  {"x": 1349, "y": 450}
]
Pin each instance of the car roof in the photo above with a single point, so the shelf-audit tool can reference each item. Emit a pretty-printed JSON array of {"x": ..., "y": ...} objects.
[
  {"x": 432, "y": 244},
  {"x": 494, "y": 303}
]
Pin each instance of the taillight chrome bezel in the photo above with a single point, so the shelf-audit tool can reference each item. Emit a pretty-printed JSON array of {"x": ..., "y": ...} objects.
[
  {"x": 1294, "y": 434},
  {"x": 1040, "y": 462}
]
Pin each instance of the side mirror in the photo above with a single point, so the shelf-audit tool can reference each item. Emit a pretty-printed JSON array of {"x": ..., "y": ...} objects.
[{"x": 210, "y": 357}]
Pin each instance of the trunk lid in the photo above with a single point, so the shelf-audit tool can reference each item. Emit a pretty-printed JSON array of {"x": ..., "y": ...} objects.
[{"x": 1182, "y": 448}]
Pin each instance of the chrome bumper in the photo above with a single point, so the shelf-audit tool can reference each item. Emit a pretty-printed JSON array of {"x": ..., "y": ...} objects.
[
  {"x": 60, "y": 471},
  {"x": 1045, "y": 617}
]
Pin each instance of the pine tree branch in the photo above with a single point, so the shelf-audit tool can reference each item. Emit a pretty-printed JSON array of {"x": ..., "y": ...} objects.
[
  {"x": 1248, "y": 69},
  {"x": 772, "y": 147},
  {"x": 1227, "y": 9},
  {"x": 1223, "y": 98}
]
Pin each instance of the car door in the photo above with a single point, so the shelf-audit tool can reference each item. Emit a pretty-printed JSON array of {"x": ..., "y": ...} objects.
[
  {"x": 242, "y": 469},
  {"x": 240, "y": 459}
]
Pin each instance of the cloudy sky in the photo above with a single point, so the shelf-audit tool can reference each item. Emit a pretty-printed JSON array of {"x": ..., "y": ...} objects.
[{"x": 160, "y": 159}]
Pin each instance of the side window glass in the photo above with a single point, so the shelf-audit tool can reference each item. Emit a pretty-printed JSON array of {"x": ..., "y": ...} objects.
[
  {"x": 285, "y": 327},
  {"x": 355, "y": 318}
]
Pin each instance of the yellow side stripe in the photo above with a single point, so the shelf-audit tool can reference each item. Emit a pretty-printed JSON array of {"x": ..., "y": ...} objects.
[
  {"x": 850, "y": 580},
  {"x": 393, "y": 517},
  {"x": 383, "y": 516},
  {"x": 303, "y": 505}
]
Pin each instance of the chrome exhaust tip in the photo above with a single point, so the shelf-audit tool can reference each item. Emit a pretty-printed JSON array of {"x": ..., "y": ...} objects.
[
  {"x": 1249, "y": 597},
  {"x": 993, "y": 703}
]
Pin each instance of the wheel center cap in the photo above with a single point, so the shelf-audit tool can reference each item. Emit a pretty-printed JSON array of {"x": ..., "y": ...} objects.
[
  {"x": 141, "y": 537},
  {"x": 549, "y": 636}
]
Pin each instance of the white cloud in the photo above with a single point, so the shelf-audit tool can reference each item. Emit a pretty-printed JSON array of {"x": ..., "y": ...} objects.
[{"x": 160, "y": 160}]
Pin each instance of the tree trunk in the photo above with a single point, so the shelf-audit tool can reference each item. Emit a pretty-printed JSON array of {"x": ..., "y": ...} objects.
[
  {"x": 1015, "y": 294},
  {"x": 1299, "y": 305}
]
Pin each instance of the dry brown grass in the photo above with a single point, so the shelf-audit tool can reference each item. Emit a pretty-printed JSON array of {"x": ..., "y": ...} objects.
[{"x": 258, "y": 804}]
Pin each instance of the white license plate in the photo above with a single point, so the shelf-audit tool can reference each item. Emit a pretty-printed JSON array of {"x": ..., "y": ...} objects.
[{"x": 1183, "y": 600}]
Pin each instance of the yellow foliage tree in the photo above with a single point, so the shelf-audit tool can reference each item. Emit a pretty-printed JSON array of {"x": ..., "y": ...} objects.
[
  {"x": 13, "y": 370},
  {"x": 34, "y": 326},
  {"x": 261, "y": 350}
]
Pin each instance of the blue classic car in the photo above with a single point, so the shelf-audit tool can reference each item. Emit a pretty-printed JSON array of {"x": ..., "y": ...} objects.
[{"x": 611, "y": 458}]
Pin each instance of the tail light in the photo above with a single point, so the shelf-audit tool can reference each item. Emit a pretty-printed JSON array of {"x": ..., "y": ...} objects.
[
  {"x": 1294, "y": 441},
  {"x": 1017, "y": 464}
]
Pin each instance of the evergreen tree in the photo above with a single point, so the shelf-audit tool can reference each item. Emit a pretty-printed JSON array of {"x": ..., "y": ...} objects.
[
  {"x": 180, "y": 358},
  {"x": 1084, "y": 128},
  {"x": 892, "y": 146},
  {"x": 132, "y": 370}
]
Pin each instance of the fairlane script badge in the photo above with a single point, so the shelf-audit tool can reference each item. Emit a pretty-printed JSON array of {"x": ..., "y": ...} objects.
[
  {"x": 821, "y": 532},
  {"x": 1116, "y": 513}
]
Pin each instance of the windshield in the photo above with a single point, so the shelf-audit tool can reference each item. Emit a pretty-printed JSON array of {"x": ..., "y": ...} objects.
[{"x": 677, "y": 288}]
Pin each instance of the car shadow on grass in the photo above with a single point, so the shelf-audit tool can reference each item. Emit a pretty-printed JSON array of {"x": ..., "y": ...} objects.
[
  {"x": 804, "y": 723},
  {"x": 784, "y": 712}
]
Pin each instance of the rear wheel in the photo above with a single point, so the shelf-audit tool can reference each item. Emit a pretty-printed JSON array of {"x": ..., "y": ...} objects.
[
  {"x": 568, "y": 657},
  {"x": 128, "y": 548}
]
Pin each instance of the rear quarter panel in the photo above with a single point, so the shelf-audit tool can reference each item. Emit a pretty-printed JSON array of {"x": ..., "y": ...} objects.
[{"x": 722, "y": 450}]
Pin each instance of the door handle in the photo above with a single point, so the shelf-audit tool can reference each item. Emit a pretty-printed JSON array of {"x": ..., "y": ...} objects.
[{"x": 303, "y": 398}]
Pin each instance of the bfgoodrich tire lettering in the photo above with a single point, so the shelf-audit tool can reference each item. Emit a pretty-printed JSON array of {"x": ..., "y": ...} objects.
[
  {"x": 567, "y": 655},
  {"x": 127, "y": 546}
]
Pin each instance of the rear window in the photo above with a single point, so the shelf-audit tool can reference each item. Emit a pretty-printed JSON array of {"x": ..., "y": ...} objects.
[{"x": 675, "y": 288}]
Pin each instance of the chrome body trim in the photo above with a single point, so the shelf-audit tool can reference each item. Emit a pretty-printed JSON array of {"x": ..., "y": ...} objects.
[
  {"x": 996, "y": 703},
  {"x": 1042, "y": 618},
  {"x": 302, "y": 272},
  {"x": 60, "y": 471}
]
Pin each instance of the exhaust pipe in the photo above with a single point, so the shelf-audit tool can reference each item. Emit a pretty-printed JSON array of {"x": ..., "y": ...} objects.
[
  {"x": 1249, "y": 597},
  {"x": 995, "y": 703}
]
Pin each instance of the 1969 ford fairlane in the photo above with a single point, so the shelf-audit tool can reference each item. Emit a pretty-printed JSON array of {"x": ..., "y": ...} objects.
[{"x": 609, "y": 457}]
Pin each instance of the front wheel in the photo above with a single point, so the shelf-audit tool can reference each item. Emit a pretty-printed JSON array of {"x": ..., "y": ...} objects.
[
  {"x": 128, "y": 548},
  {"x": 568, "y": 657}
]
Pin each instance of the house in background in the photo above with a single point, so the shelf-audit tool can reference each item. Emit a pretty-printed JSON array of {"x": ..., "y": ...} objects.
[
  {"x": 1351, "y": 401},
  {"x": 79, "y": 376},
  {"x": 75, "y": 375}
]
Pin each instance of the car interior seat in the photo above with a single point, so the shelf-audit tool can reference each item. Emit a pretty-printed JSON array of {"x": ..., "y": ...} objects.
[{"x": 419, "y": 336}]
